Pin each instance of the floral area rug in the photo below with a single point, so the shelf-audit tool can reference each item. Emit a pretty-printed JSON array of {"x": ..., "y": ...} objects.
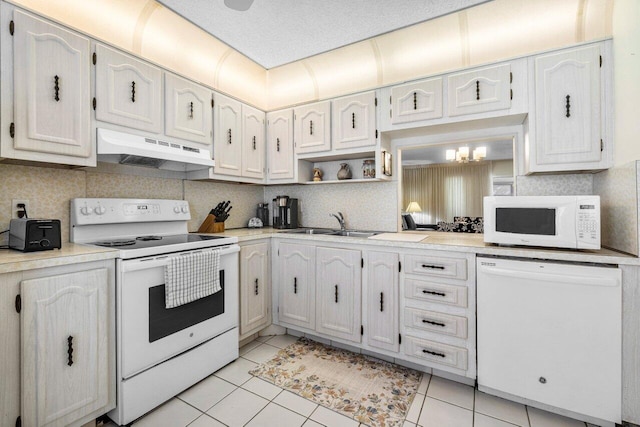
[{"x": 369, "y": 390}]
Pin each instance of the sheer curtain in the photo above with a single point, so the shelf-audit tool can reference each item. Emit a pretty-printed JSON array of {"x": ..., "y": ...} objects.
[{"x": 445, "y": 191}]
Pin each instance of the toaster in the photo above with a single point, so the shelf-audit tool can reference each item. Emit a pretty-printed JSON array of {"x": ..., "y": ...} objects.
[{"x": 30, "y": 235}]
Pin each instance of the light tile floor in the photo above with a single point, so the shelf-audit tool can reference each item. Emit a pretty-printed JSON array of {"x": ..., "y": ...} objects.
[{"x": 232, "y": 397}]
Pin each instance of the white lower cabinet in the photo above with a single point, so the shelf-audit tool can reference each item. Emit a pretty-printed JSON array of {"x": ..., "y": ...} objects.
[
  {"x": 255, "y": 288},
  {"x": 60, "y": 369},
  {"x": 338, "y": 286},
  {"x": 380, "y": 290},
  {"x": 296, "y": 285}
]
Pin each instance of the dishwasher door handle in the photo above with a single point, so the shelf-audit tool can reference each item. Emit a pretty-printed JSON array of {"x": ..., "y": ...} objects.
[{"x": 551, "y": 277}]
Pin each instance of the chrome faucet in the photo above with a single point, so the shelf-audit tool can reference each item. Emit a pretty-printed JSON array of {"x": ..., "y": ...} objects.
[{"x": 340, "y": 218}]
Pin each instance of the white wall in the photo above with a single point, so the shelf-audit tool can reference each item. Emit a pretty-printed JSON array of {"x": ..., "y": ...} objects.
[{"x": 626, "y": 57}]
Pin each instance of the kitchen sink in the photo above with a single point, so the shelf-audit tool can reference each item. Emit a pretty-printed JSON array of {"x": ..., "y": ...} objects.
[
  {"x": 309, "y": 231},
  {"x": 354, "y": 233},
  {"x": 325, "y": 231}
]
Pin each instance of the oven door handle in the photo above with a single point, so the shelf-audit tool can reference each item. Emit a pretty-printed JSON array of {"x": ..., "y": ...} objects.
[{"x": 162, "y": 260}]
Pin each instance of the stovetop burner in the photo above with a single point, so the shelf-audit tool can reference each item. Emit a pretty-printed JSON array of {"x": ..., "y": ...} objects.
[
  {"x": 116, "y": 243},
  {"x": 145, "y": 238}
]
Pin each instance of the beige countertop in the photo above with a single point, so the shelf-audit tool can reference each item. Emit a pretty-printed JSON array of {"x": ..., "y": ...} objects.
[
  {"x": 454, "y": 242},
  {"x": 71, "y": 253}
]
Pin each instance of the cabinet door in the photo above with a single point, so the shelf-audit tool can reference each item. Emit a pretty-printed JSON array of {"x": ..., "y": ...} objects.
[
  {"x": 227, "y": 143},
  {"x": 354, "y": 121},
  {"x": 297, "y": 285},
  {"x": 188, "y": 113},
  {"x": 253, "y": 150},
  {"x": 280, "y": 144},
  {"x": 65, "y": 370},
  {"x": 312, "y": 131},
  {"x": 338, "y": 292},
  {"x": 51, "y": 88},
  {"x": 382, "y": 300},
  {"x": 417, "y": 101},
  {"x": 567, "y": 113},
  {"x": 128, "y": 91},
  {"x": 255, "y": 295},
  {"x": 479, "y": 91}
]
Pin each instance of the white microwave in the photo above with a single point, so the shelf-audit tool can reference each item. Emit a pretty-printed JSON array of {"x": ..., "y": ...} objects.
[{"x": 549, "y": 221}]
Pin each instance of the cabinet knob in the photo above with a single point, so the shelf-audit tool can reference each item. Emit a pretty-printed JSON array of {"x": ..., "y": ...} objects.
[{"x": 542, "y": 380}]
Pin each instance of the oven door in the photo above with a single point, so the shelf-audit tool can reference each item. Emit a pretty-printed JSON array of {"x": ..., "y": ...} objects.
[{"x": 148, "y": 333}]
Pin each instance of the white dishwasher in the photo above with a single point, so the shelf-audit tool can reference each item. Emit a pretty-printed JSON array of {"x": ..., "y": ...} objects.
[{"x": 551, "y": 333}]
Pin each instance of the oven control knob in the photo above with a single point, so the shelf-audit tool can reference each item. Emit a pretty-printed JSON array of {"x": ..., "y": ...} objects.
[
  {"x": 100, "y": 210},
  {"x": 176, "y": 209},
  {"x": 86, "y": 210},
  {"x": 185, "y": 209}
]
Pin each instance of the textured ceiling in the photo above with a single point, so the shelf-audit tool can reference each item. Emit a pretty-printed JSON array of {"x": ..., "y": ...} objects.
[{"x": 276, "y": 32}]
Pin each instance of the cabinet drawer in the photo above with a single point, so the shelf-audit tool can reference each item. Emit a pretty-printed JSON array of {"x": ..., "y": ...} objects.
[
  {"x": 442, "y": 354},
  {"x": 432, "y": 321},
  {"x": 453, "y": 268},
  {"x": 435, "y": 292}
]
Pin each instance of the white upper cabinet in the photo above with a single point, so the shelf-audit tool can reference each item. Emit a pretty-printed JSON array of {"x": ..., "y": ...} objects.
[
  {"x": 65, "y": 353},
  {"x": 416, "y": 101},
  {"x": 188, "y": 112},
  {"x": 312, "y": 131},
  {"x": 338, "y": 289},
  {"x": 227, "y": 143},
  {"x": 128, "y": 91},
  {"x": 280, "y": 145},
  {"x": 480, "y": 90},
  {"x": 354, "y": 121},
  {"x": 253, "y": 149},
  {"x": 567, "y": 119},
  {"x": 51, "y": 93}
]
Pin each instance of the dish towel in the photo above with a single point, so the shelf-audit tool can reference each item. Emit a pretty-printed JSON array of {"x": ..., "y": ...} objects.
[{"x": 191, "y": 276}]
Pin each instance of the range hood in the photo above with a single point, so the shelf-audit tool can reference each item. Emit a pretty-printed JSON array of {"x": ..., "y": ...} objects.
[{"x": 128, "y": 149}]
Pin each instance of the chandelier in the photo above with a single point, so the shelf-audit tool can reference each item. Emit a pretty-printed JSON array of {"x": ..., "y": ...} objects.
[{"x": 461, "y": 155}]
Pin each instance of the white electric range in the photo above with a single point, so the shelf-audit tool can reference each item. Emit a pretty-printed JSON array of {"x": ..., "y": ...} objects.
[{"x": 160, "y": 351}]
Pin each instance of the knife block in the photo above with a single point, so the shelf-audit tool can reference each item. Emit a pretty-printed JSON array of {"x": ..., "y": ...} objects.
[{"x": 216, "y": 227}]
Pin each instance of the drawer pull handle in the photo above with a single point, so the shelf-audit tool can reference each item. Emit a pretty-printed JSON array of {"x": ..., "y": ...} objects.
[
  {"x": 431, "y": 322},
  {"x": 295, "y": 285},
  {"x": 381, "y": 301},
  {"x": 415, "y": 101},
  {"x": 434, "y": 267},
  {"x": 440, "y": 294},
  {"x": 70, "y": 350},
  {"x": 336, "y": 288},
  {"x": 133, "y": 91},
  {"x": 568, "y": 97},
  {"x": 477, "y": 90},
  {"x": 229, "y": 136},
  {"x": 310, "y": 127},
  {"x": 254, "y": 142},
  {"x": 191, "y": 110},
  {"x": 435, "y": 353},
  {"x": 278, "y": 144},
  {"x": 256, "y": 286}
]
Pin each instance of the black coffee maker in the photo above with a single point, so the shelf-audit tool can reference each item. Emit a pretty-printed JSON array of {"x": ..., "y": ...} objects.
[{"x": 285, "y": 212}]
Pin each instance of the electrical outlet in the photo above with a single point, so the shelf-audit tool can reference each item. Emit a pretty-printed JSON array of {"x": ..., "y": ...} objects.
[{"x": 16, "y": 211}]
